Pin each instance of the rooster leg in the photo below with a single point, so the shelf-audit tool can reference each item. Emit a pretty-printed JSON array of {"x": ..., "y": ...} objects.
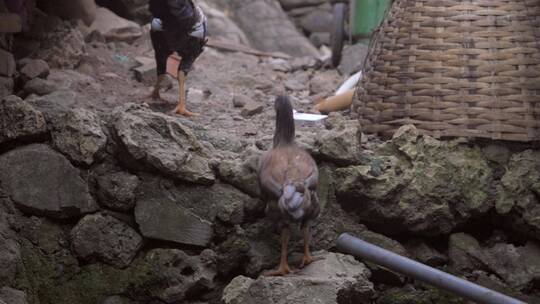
[
  {"x": 308, "y": 258},
  {"x": 283, "y": 268},
  {"x": 155, "y": 92},
  {"x": 181, "y": 107}
]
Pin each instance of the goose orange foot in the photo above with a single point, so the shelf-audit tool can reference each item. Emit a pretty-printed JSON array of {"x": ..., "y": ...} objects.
[{"x": 184, "y": 112}]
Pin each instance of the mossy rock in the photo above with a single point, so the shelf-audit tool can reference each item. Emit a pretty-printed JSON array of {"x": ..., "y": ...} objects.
[
  {"x": 45, "y": 283},
  {"x": 418, "y": 184},
  {"x": 518, "y": 196}
]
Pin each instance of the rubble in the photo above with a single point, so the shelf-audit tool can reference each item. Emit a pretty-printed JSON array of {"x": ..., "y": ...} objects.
[
  {"x": 78, "y": 135},
  {"x": 113, "y": 27},
  {"x": 19, "y": 120},
  {"x": 251, "y": 108}
]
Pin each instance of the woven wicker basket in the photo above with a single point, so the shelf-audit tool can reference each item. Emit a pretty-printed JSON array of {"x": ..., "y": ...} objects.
[{"x": 455, "y": 68}]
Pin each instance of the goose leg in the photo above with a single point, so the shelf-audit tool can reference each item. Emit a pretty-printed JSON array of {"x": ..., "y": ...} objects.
[
  {"x": 308, "y": 258},
  {"x": 155, "y": 92},
  {"x": 283, "y": 268},
  {"x": 181, "y": 107}
]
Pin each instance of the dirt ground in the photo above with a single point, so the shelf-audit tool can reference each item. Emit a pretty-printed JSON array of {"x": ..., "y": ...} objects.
[{"x": 105, "y": 79}]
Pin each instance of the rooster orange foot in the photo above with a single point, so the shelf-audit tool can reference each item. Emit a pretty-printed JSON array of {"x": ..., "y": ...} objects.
[{"x": 184, "y": 112}]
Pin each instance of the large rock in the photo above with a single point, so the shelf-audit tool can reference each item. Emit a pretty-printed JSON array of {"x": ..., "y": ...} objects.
[
  {"x": 178, "y": 275},
  {"x": 352, "y": 59},
  {"x": 334, "y": 220},
  {"x": 136, "y": 10},
  {"x": 39, "y": 87},
  {"x": 78, "y": 135},
  {"x": 57, "y": 278},
  {"x": 497, "y": 153},
  {"x": 19, "y": 120},
  {"x": 43, "y": 182},
  {"x": 418, "y": 184},
  {"x": 493, "y": 282},
  {"x": 328, "y": 281},
  {"x": 340, "y": 145},
  {"x": 262, "y": 240},
  {"x": 237, "y": 290},
  {"x": 297, "y": 81},
  {"x": 54, "y": 104},
  {"x": 519, "y": 192},
  {"x": 34, "y": 69},
  {"x": 220, "y": 26},
  {"x": 465, "y": 253},
  {"x": 76, "y": 80},
  {"x": 161, "y": 217},
  {"x": 242, "y": 172},
  {"x": 117, "y": 190},
  {"x": 146, "y": 73},
  {"x": 219, "y": 201},
  {"x": 426, "y": 254},
  {"x": 47, "y": 236},
  {"x": 220, "y": 139},
  {"x": 106, "y": 239},
  {"x": 517, "y": 266},
  {"x": 319, "y": 39},
  {"x": 163, "y": 143},
  {"x": 325, "y": 83},
  {"x": 232, "y": 256},
  {"x": 270, "y": 29},
  {"x": 46, "y": 258},
  {"x": 251, "y": 109},
  {"x": 115, "y": 28},
  {"x": 71, "y": 9},
  {"x": 318, "y": 20},
  {"x": 62, "y": 48},
  {"x": 12, "y": 296}
]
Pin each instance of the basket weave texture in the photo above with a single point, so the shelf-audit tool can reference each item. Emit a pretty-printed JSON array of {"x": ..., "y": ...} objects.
[{"x": 455, "y": 69}]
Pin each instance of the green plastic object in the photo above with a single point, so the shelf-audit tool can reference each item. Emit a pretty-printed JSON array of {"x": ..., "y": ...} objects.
[{"x": 367, "y": 15}]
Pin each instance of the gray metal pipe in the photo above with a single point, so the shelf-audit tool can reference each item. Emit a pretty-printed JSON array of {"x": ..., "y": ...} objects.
[{"x": 357, "y": 247}]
